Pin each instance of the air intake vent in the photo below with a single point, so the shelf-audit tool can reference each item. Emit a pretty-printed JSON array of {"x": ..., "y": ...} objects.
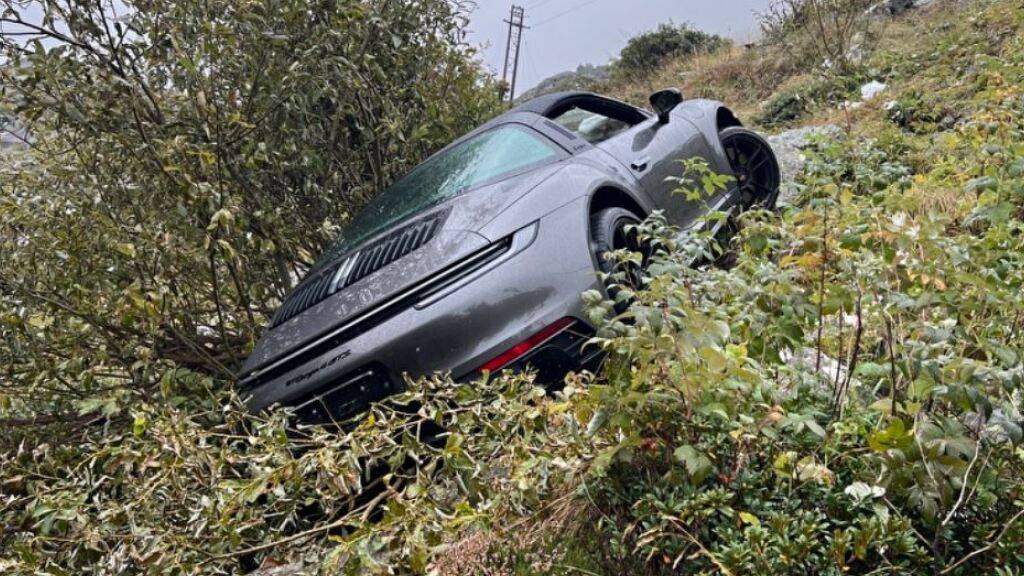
[
  {"x": 392, "y": 247},
  {"x": 358, "y": 265}
]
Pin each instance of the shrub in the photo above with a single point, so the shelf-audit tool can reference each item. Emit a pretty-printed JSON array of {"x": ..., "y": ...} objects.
[
  {"x": 647, "y": 51},
  {"x": 845, "y": 398},
  {"x": 820, "y": 31},
  {"x": 703, "y": 448},
  {"x": 917, "y": 113},
  {"x": 787, "y": 106},
  {"x": 190, "y": 159},
  {"x": 784, "y": 108}
]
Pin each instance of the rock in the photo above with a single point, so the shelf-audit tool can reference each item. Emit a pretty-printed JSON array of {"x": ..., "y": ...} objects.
[
  {"x": 12, "y": 134},
  {"x": 858, "y": 50},
  {"x": 789, "y": 147},
  {"x": 806, "y": 359},
  {"x": 892, "y": 7},
  {"x": 872, "y": 89}
]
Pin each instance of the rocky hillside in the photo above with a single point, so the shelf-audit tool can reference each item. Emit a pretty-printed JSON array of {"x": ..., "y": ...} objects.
[{"x": 585, "y": 77}]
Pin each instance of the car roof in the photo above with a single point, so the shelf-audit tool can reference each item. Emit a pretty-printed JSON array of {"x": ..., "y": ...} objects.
[
  {"x": 539, "y": 111},
  {"x": 550, "y": 105}
]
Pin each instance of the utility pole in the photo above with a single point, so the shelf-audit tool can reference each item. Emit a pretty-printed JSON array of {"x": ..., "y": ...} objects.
[{"x": 515, "y": 39}]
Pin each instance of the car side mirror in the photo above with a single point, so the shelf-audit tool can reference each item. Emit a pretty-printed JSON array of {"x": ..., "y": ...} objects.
[{"x": 664, "y": 102}]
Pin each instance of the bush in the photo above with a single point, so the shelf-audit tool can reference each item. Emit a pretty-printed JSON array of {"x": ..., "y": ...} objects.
[
  {"x": 796, "y": 412},
  {"x": 647, "y": 51},
  {"x": 845, "y": 398},
  {"x": 190, "y": 160},
  {"x": 788, "y": 106},
  {"x": 819, "y": 31},
  {"x": 920, "y": 114},
  {"x": 784, "y": 108}
]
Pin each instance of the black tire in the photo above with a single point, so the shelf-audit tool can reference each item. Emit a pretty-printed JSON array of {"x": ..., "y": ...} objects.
[
  {"x": 756, "y": 168},
  {"x": 609, "y": 231}
]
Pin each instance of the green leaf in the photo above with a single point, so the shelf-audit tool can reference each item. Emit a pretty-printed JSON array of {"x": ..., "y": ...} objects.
[
  {"x": 697, "y": 465},
  {"x": 750, "y": 519},
  {"x": 139, "y": 425},
  {"x": 981, "y": 184},
  {"x": 813, "y": 426},
  {"x": 895, "y": 436},
  {"x": 872, "y": 371},
  {"x": 883, "y": 405}
]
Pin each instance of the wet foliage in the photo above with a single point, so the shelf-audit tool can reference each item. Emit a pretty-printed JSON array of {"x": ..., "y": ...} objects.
[
  {"x": 842, "y": 394},
  {"x": 189, "y": 161}
]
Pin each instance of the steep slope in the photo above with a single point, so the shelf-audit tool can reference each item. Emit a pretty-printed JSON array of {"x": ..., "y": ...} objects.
[{"x": 844, "y": 398}]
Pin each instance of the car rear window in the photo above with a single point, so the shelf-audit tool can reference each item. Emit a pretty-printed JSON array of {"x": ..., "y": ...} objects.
[
  {"x": 483, "y": 159},
  {"x": 592, "y": 126}
]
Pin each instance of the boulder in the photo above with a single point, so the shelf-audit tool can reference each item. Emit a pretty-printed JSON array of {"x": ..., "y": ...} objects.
[
  {"x": 12, "y": 134},
  {"x": 789, "y": 148},
  {"x": 872, "y": 89},
  {"x": 806, "y": 360},
  {"x": 892, "y": 7}
]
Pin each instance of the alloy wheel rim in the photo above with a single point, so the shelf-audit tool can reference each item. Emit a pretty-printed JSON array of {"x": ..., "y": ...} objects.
[{"x": 754, "y": 168}]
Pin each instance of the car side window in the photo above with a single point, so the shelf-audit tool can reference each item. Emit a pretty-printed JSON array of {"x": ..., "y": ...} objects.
[{"x": 593, "y": 127}]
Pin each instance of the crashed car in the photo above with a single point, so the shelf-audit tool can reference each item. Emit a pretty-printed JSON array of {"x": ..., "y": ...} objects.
[{"x": 476, "y": 260}]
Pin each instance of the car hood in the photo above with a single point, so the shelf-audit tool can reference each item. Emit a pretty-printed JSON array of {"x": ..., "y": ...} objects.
[{"x": 458, "y": 237}]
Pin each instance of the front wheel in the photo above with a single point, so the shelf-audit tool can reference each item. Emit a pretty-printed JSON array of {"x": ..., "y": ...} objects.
[{"x": 754, "y": 165}]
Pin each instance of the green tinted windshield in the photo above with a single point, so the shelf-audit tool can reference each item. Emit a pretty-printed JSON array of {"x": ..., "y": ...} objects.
[{"x": 482, "y": 159}]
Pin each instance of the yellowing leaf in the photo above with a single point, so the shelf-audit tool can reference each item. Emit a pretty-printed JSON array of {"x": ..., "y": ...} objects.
[
  {"x": 750, "y": 519},
  {"x": 127, "y": 249}
]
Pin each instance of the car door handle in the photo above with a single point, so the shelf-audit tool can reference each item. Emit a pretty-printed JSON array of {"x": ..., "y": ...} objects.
[{"x": 640, "y": 164}]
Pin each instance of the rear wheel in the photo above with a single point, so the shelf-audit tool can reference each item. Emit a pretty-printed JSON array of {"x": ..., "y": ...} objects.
[
  {"x": 614, "y": 229},
  {"x": 754, "y": 164}
]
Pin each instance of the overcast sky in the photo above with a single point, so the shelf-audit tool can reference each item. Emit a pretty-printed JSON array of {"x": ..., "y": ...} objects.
[{"x": 567, "y": 33}]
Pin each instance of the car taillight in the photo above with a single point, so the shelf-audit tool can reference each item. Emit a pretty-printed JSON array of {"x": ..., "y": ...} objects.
[{"x": 519, "y": 350}]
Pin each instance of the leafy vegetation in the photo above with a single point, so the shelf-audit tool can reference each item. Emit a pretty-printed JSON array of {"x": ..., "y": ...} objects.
[
  {"x": 843, "y": 395},
  {"x": 190, "y": 160},
  {"x": 821, "y": 31},
  {"x": 791, "y": 105},
  {"x": 646, "y": 52}
]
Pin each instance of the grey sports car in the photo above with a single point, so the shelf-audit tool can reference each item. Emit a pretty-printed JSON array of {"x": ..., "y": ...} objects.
[{"x": 476, "y": 260}]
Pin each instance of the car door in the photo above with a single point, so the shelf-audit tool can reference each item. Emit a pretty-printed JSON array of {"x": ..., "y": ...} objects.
[{"x": 654, "y": 152}]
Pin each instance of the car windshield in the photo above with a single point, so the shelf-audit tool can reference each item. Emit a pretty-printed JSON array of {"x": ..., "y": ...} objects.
[{"x": 483, "y": 159}]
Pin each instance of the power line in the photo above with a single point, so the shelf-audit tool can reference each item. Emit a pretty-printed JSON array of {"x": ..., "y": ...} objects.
[
  {"x": 560, "y": 14},
  {"x": 536, "y": 5}
]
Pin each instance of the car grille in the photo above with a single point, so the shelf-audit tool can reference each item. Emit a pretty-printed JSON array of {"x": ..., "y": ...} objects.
[{"x": 358, "y": 265}]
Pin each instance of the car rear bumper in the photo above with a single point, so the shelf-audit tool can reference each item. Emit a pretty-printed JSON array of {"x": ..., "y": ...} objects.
[{"x": 453, "y": 323}]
